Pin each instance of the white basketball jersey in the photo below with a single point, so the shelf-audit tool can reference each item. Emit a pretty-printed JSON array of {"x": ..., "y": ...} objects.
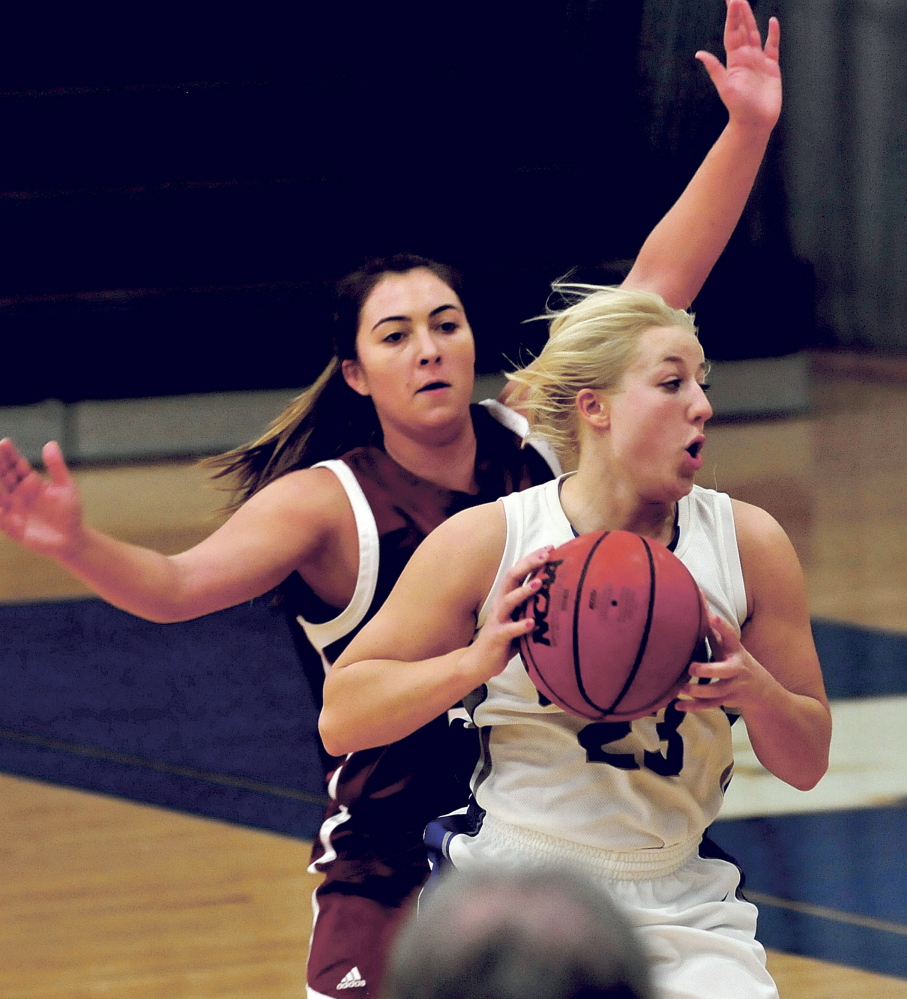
[{"x": 627, "y": 793}]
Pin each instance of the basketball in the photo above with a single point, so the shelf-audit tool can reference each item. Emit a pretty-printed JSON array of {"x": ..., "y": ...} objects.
[{"x": 618, "y": 620}]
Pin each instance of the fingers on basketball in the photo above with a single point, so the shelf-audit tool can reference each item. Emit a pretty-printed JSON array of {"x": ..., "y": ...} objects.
[{"x": 616, "y": 622}]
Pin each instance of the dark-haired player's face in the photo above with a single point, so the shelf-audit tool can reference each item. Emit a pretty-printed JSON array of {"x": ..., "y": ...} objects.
[{"x": 416, "y": 355}]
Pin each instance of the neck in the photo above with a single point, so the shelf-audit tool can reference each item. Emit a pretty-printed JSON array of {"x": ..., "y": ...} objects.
[
  {"x": 445, "y": 458},
  {"x": 593, "y": 505}
]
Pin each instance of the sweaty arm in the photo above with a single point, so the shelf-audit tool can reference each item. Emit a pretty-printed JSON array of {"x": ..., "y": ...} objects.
[
  {"x": 281, "y": 528},
  {"x": 771, "y": 674},
  {"x": 681, "y": 251},
  {"x": 416, "y": 658}
]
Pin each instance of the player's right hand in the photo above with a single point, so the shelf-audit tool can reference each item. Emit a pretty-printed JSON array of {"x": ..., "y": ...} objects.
[
  {"x": 496, "y": 642},
  {"x": 42, "y": 513}
]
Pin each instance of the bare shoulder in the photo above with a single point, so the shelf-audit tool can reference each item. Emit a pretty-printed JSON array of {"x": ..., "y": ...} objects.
[
  {"x": 463, "y": 552},
  {"x": 771, "y": 567},
  {"x": 476, "y": 534},
  {"x": 312, "y": 494},
  {"x": 301, "y": 514},
  {"x": 757, "y": 530},
  {"x": 319, "y": 483}
]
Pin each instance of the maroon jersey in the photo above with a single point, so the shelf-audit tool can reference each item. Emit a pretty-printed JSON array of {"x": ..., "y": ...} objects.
[{"x": 370, "y": 847}]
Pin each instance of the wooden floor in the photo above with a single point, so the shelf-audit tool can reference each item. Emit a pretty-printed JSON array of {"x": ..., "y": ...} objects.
[
  {"x": 102, "y": 897},
  {"x": 107, "y": 898}
]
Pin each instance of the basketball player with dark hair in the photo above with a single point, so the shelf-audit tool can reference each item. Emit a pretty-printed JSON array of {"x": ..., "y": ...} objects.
[
  {"x": 619, "y": 386},
  {"x": 499, "y": 933},
  {"x": 332, "y": 501}
]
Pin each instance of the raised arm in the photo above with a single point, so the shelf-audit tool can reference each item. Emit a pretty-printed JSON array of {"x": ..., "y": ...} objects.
[
  {"x": 771, "y": 674},
  {"x": 284, "y": 527},
  {"x": 683, "y": 248},
  {"x": 416, "y": 658}
]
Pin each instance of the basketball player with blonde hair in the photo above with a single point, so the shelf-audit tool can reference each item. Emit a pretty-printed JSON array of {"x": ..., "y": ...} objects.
[{"x": 621, "y": 384}]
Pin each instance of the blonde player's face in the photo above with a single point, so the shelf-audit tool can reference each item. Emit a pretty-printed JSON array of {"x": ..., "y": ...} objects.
[
  {"x": 416, "y": 355},
  {"x": 658, "y": 415}
]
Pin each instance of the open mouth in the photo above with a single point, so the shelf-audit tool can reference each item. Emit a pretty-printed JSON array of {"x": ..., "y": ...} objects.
[
  {"x": 431, "y": 386},
  {"x": 694, "y": 449}
]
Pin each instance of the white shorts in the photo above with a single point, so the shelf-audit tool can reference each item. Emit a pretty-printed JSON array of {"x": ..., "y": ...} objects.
[{"x": 700, "y": 935}]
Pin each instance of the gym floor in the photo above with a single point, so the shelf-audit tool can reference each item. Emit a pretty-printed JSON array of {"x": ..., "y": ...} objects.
[{"x": 109, "y": 897}]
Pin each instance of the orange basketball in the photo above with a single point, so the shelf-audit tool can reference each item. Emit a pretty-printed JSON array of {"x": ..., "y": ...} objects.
[{"x": 618, "y": 620}]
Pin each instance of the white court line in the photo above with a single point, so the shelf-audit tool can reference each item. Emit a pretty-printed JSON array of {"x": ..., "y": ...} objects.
[
  {"x": 868, "y": 765},
  {"x": 824, "y": 912}
]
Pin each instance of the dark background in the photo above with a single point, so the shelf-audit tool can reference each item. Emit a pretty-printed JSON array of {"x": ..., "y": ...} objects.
[{"x": 180, "y": 184}]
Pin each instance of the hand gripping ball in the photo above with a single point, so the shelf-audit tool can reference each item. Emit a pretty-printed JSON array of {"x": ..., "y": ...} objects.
[{"x": 618, "y": 619}]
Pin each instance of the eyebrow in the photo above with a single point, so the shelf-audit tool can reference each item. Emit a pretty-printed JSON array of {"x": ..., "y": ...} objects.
[
  {"x": 679, "y": 360},
  {"x": 408, "y": 319}
]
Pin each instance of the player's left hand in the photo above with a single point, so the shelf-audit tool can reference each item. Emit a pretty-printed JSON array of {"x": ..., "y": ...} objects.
[
  {"x": 735, "y": 678},
  {"x": 749, "y": 85}
]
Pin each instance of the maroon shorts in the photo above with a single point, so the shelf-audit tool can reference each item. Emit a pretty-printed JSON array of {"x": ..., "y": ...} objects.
[
  {"x": 371, "y": 851},
  {"x": 351, "y": 936}
]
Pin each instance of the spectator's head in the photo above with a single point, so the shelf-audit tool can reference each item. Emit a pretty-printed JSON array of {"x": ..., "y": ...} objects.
[{"x": 536, "y": 934}]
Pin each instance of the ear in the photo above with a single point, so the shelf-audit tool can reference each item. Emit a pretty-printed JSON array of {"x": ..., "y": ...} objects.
[
  {"x": 592, "y": 406},
  {"x": 354, "y": 376}
]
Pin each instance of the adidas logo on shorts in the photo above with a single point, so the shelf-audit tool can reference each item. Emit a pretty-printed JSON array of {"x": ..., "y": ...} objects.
[{"x": 351, "y": 980}]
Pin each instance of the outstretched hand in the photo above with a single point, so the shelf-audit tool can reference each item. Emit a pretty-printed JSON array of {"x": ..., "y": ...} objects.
[
  {"x": 41, "y": 513},
  {"x": 749, "y": 85}
]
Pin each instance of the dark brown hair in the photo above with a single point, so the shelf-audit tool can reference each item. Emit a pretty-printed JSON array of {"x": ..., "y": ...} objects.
[{"x": 328, "y": 418}]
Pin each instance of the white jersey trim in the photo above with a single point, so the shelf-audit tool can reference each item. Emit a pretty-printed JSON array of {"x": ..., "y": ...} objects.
[
  {"x": 325, "y": 633},
  {"x": 518, "y": 424}
]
